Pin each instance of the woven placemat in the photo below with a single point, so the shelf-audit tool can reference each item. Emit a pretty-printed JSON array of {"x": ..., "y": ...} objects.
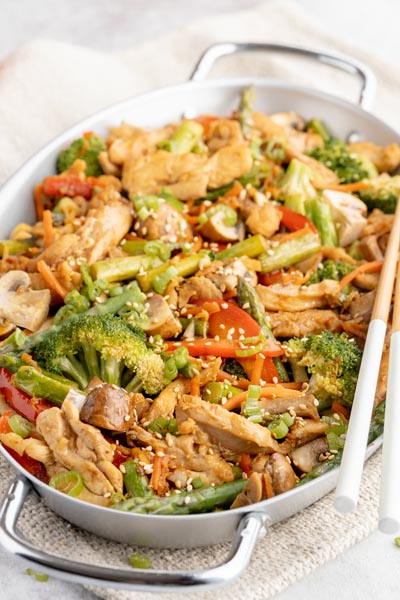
[{"x": 73, "y": 83}]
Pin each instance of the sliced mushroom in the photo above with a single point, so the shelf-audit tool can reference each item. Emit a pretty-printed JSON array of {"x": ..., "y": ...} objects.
[
  {"x": 283, "y": 476},
  {"x": 109, "y": 407},
  {"x": 251, "y": 494},
  {"x": 348, "y": 213},
  {"x": 20, "y": 304},
  {"x": 216, "y": 230},
  {"x": 161, "y": 319},
  {"x": 306, "y": 456}
]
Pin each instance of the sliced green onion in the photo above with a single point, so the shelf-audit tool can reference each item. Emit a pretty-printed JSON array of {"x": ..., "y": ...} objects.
[
  {"x": 181, "y": 357},
  {"x": 259, "y": 342},
  {"x": 20, "y": 426},
  {"x": 42, "y": 577},
  {"x": 230, "y": 215},
  {"x": 251, "y": 409},
  {"x": 145, "y": 205},
  {"x": 172, "y": 200},
  {"x": 197, "y": 483},
  {"x": 139, "y": 561},
  {"x": 157, "y": 248},
  {"x": 215, "y": 391},
  {"x": 276, "y": 149},
  {"x": 163, "y": 426},
  {"x": 184, "y": 138},
  {"x": 287, "y": 419},
  {"x": 70, "y": 483},
  {"x": 136, "y": 485},
  {"x": 161, "y": 281},
  {"x": 279, "y": 429}
]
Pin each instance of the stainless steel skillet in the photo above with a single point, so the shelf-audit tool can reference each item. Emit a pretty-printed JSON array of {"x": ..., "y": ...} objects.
[{"x": 244, "y": 525}]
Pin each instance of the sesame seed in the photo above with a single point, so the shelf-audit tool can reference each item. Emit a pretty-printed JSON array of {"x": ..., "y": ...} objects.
[
  {"x": 275, "y": 380},
  {"x": 187, "y": 500}
]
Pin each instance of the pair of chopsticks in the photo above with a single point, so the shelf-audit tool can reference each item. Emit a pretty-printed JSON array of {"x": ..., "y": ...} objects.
[{"x": 348, "y": 486}]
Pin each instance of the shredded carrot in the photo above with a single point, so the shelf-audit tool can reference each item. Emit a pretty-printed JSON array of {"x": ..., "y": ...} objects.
[
  {"x": 269, "y": 490},
  {"x": 257, "y": 369},
  {"x": 192, "y": 219},
  {"x": 38, "y": 197},
  {"x": 197, "y": 243},
  {"x": 158, "y": 477},
  {"x": 239, "y": 383},
  {"x": 295, "y": 277},
  {"x": 88, "y": 134},
  {"x": 50, "y": 279},
  {"x": 28, "y": 359},
  {"x": 233, "y": 192},
  {"x": 48, "y": 228},
  {"x": 340, "y": 409},
  {"x": 245, "y": 463},
  {"x": 369, "y": 267},
  {"x": 294, "y": 234},
  {"x": 342, "y": 187},
  {"x": 195, "y": 386},
  {"x": 207, "y": 307},
  {"x": 205, "y": 121},
  {"x": 270, "y": 391},
  {"x": 230, "y": 294}
]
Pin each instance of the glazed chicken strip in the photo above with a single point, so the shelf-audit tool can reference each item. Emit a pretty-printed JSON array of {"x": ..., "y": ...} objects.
[
  {"x": 288, "y": 324},
  {"x": 298, "y": 298},
  {"x": 303, "y": 406},
  {"x": 80, "y": 447},
  {"x": 229, "y": 429},
  {"x": 104, "y": 227}
]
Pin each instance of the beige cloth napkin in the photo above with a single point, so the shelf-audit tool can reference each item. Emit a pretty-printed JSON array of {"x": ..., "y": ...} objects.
[{"x": 46, "y": 86}]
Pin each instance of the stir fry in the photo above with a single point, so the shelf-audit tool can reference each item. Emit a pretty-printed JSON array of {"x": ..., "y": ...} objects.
[{"x": 183, "y": 326}]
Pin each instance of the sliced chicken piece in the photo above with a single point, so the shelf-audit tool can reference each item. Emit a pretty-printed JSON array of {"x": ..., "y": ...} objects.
[
  {"x": 104, "y": 227},
  {"x": 266, "y": 126},
  {"x": 216, "y": 230},
  {"x": 303, "y": 406},
  {"x": 264, "y": 219},
  {"x": 385, "y": 158},
  {"x": 32, "y": 447},
  {"x": 227, "y": 164},
  {"x": 229, "y": 429},
  {"x": 369, "y": 248},
  {"x": 305, "y": 457},
  {"x": 80, "y": 447},
  {"x": 378, "y": 224},
  {"x": 223, "y": 132},
  {"x": 298, "y": 298},
  {"x": 184, "y": 174},
  {"x": 188, "y": 451},
  {"x": 109, "y": 407},
  {"x": 160, "y": 318},
  {"x": 288, "y": 324},
  {"x": 129, "y": 143},
  {"x": 197, "y": 287},
  {"x": 166, "y": 224},
  {"x": 283, "y": 476},
  {"x": 165, "y": 403},
  {"x": 303, "y": 432}
]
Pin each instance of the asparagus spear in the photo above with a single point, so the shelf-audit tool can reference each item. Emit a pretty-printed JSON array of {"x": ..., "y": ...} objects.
[
  {"x": 185, "y": 137},
  {"x": 163, "y": 274},
  {"x": 245, "y": 111},
  {"x": 135, "y": 484},
  {"x": 290, "y": 252},
  {"x": 375, "y": 430},
  {"x": 123, "y": 267},
  {"x": 252, "y": 246},
  {"x": 200, "y": 500},
  {"x": 321, "y": 216},
  {"x": 42, "y": 384},
  {"x": 247, "y": 296}
]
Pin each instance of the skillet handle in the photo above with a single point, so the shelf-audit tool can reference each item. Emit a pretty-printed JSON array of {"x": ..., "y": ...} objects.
[
  {"x": 251, "y": 526},
  {"x": 333, "y": 59}
]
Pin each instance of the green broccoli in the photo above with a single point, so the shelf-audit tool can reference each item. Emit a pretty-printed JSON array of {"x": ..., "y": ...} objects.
[
  {"x": 234, "y": 368},
  {"x": 330, "y": 269},
  {"x": 348, "y": 166},
  {"x": 333, "y": 361},
  {"x": 383, "y": 193},
  {"x": 103, "y": 346},
  {"x": 85, "y": 148}
]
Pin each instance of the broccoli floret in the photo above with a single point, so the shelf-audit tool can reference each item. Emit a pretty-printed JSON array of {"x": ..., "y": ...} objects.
[
  {"x": 296, "y": 187},
  {"x": 383, "y": 193},
  {"x": 348, "y": 166},
  {"x": 330, "y": 269},
  {"x": 332, "y": 360},
  {"x": 85, "y": 148},
  {"x": 103, "y": 346},
  {"x": 234, "y": 368}
]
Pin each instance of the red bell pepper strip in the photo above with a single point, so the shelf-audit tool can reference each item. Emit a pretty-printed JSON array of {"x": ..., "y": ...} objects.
[
  {"x": 67, "y": 186},
  {"x": 27, "y": 406},
  {"x": 294, "y": 220},
  {"x": 270, "y": 278},
  {"x": 245, "y": 464},
  {"x": 4, "y": 422},
  {"x": 34, "y": 467},
  {"x": 121, "y": 455}
]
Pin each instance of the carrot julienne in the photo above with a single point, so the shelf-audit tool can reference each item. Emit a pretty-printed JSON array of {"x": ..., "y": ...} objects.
[
  {"x": 48, "y": 228},
  {"x": 50, "y": 279},
  {"x": 369, "y": 267}
]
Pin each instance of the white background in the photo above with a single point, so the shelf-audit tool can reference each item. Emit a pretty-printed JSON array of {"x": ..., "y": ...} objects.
[{"x": 370, "y": 569}]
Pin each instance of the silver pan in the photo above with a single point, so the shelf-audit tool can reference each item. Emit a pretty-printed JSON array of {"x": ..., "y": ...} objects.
[{"x": 243, "y": 525}]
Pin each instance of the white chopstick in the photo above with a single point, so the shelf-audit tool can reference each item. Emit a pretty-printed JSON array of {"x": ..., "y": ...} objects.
[
  {"x": 389, "y": 504},
  {"x": 348, "y": 487}
]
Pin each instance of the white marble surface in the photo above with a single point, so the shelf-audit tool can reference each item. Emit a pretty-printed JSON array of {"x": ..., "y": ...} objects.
[{"x": 371, "y": 569}]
